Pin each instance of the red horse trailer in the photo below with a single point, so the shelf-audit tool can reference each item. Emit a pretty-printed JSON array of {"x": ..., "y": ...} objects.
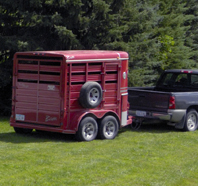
[{"x": 74, "y": 92}]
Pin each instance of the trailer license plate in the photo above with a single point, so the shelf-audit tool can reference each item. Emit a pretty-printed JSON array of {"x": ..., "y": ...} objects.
[
  {"x": 20, "y": 117},
  {"x": 140, "y": 113}
]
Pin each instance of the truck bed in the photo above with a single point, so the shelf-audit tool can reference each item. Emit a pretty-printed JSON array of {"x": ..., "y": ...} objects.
[{"x": 146, "y": 99}]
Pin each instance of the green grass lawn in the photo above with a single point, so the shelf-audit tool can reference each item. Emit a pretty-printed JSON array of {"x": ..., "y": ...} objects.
[{"x": 155, "y": 155}]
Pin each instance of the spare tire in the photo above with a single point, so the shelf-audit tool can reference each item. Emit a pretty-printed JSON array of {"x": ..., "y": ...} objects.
[{"x": 90, "y": 94}]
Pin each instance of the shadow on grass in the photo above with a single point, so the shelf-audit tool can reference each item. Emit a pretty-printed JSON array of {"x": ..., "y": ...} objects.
[
  {"x": 152, "y": 128},
  {"x": 43, "y": 136},
  {"x": 40, "y": 137},
  {"x": 158, "y": 128}
]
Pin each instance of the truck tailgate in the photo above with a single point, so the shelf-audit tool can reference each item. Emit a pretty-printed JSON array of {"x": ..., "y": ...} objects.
[{"x": 148, "y": 100}]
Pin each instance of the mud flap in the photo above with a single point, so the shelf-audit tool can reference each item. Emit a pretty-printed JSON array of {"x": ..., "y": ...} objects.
[{"x": 180, "y": 125}]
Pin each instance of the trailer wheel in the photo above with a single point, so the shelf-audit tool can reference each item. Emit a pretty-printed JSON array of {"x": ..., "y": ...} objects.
[
  {"x": 87, "y": 130},
  {"x": 191, "y": 122},
  {"x": 90, "y": 94},
  {"x": 108, "y": 128},
  {"x": 22, "y": 130}
]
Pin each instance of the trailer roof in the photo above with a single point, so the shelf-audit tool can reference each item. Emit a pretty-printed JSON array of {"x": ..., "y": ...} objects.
[{"x": 80, "y": 55}]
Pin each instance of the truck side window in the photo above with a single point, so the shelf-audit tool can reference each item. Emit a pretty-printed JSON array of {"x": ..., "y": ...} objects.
[
  {"x": 181, "y": 80},
  {"x": 181, "y": 77},
  {"x": 194, "y": 79},
  {"x": 166, "y": 81}
]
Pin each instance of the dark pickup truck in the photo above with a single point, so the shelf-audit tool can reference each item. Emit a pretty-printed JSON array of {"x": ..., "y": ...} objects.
[{"x": 174, "y": 99}]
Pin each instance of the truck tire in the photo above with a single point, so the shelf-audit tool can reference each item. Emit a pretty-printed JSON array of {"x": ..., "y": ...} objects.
[
  {"x": 90, "y": 95},
  {"x": 88, "y": 129},
  {"x": 191, "y": 120},
  {"x": 22, "y": 130},
  {"x": 108, "y": 128}
]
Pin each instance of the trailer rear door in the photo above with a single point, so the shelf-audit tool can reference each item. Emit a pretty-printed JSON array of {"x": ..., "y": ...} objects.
[{"x": 38, "y": 90}]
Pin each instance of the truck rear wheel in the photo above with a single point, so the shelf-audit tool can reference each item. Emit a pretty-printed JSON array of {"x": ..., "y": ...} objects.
[
  {"x": 191, "y": 120},
  {"x": 88, "y": 129},
  {"x": 22, "y": 130},
  {"x": 108, "y": 128},
  {"x": 90, "y": 94}
]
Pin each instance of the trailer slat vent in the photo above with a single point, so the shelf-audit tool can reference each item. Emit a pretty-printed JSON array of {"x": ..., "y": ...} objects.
[
  {"x": 78, "y": 74},
  {"x": 44, "y": 72},
  {"x": 38, "y": 89},
  {"x": 38, "y": 57}
]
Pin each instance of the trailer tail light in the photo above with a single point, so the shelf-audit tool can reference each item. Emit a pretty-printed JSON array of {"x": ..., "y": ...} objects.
[{"x": 172, "y": 102}]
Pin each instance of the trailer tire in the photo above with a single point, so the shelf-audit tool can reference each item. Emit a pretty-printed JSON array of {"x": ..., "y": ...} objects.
[
  {"x": 90, "y": 94},
  {"x": 191, "y": 122},
  {"x": 87, "y": 130},
  {"x": 22, "y": 130},
  {"x": 108, "y": 128}
]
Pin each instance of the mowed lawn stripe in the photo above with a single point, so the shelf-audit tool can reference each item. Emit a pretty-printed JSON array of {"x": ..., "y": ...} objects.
[{"x": 153, "y": 155}]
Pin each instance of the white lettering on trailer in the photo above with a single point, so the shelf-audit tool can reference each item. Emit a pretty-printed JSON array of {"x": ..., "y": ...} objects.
[
  {"x": 23, "y": 85},
  {"x": 20, "y": 117},
  {"x": 51, "y": 87},
  {"x": 49, "y": 118},
  {"x": 70, "y": 57}
]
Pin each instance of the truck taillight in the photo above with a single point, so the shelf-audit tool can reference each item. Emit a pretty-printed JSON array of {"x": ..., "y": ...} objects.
[{"x": 172, "y": 102}]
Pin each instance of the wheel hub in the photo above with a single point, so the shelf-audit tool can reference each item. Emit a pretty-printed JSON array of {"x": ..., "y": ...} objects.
[
  {"x": 88, "y": 130},
  {"x": 191, "y": 122},
  {"x": 109, "y": 129},
  {"x": 93, "y": 95}
]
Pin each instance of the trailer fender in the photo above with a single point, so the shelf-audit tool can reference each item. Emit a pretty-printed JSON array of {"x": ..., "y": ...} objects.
[{"x": 97, "y": 114}]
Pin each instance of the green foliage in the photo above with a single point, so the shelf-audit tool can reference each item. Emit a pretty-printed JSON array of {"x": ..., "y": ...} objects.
[
  {"x": 157, "y": 34},
  {"x": 143, "y": 46},
  {"x": 167, "y": 44},
  {"x": 172, "y": 35},
  {"x": 192, "y": 33}
]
